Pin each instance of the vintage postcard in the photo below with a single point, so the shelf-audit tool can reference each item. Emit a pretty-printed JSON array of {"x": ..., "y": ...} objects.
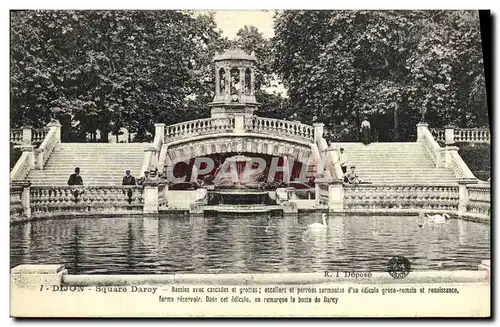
[{"x": 277, "y": 163}]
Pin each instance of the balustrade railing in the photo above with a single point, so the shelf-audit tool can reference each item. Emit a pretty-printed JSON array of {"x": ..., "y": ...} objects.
[
  {"x": 279, "y": 128},
  {"x": 473, "y": 135},
  {"x": 22, "y": 166},
  {"x": 464, "y": 135},
  {"x": 401, "y": 197},
  {"x": 479, "y": 199},
  {"x": 37, "y": 135},
  {"x": 50, "y": 141},
  {"x": 82, "y": 199},
  {"x": 16, "y": 136},
  {"x": 432, "y": 148},
  {"x": 437, "y": 133},
  {"x": 459, "y": 167},
  {"x": 199, "y": 127}
]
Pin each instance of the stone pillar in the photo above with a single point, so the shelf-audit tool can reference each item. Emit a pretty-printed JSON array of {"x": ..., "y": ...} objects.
[
  {"x": 227, "y": 87},
  {"x": 154, "y": 157},
  {"x": 252, "y": 82},
  {"x": 421, "y": 128},
  {"x": 316, "y": 194},
  {"x": 27, "y": 134},
  {"x": 449, "y": 134},
  {"x": 241, "y": 91},
  {"x": 32, "y": 276},
  {"x": 239, "y": 123},
  {"x": 56, "y": 124},
  {"x": 448, "y": 150},
  {"x": 336, "y": 196},
  {"x": 318, "y": 131},
  {"x": 150, "y": 195},
  {"x": 160, "y": 130},
  {"x": 25, "y": 201},
  {"x": 463, "y": 196},
  {"x": 217, "y": 80}
]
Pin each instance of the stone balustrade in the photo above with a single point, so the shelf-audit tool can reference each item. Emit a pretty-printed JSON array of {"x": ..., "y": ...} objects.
[
  {"x": 16, "y": 136},
  {"x": 23, "y": 165},
  {"x": 401, "y": 197},
  {"x": 479, "y": 199},
  {"x": 199, "y": 127},
  {"x": 473, "y": 135},
  {"x": 27, "y": 135},
  {"x": 279, "y": 128},
  {"x": 39, "y": 134},
  {"x": 52, "y": 138},
  {"x": 431, "y": 146},
  {"x": 462, "y": 135},
  {"x": 455, "y": 162},
  {"x": 46, "y": 200}
]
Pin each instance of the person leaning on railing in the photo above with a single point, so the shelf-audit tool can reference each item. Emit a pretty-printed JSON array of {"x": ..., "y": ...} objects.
[{"x": 74, "y": 180}]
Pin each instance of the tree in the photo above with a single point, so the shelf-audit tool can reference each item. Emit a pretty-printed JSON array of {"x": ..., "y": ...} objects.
[
  {"x": 342, "y": 65},
  {"x": 103, "y": 70}
]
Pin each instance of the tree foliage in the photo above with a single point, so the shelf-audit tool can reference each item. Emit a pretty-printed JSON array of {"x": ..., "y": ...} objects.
[
  {"x": 387, "y": 65},
  {"x": 110, "y": 69}
]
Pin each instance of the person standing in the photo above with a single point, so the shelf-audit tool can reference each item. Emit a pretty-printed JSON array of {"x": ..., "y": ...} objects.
[
  {"x": 75, "y": 179},
  {"x": 366, "y": 134},
  {"x": 343, "y": 160},
  {"x": 128, "y": 179}
]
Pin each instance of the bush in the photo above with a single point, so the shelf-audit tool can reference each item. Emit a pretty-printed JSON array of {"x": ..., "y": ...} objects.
[{"x": 477, "y": 157}]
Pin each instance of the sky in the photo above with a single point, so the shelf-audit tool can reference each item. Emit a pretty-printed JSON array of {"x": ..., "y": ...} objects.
[{"x": 231, "y": 21}]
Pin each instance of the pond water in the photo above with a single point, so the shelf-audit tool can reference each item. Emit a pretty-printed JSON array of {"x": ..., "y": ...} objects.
[{"x": 145, "y": 245}]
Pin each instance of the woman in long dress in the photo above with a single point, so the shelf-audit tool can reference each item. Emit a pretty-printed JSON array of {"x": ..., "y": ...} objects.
[{"x": 366, "y": 134}]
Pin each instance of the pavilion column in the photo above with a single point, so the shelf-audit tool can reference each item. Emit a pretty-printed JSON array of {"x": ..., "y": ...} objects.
[
  {"x": 227, "y": 87},
  {"x": 252, "y": 80},
  {"x": 241, "y": 91},
  {"x": 217, "y": 81}
]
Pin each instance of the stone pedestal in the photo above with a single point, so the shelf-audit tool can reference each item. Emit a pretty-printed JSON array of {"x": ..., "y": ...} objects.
[
  {"x": 150, "y": 196},
  {"x": 318, "y": 131},
  {"x": 421, "y": 128},
  {"x": 27, "y": 134},
  {"x": 449, "y": 134},
  {"x": 26, "y": 201},
  {"x": 160, "y": 130},
  {"x": 57, "y": 125},
  {"x": 33, "y": 276},
  {"x": 336, "y": 196},
  {"x": 239, "y": 123},
  {"x": 463, "y": 196}
]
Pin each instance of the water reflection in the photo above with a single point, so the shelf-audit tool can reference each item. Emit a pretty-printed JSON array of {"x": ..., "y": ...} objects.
[{"x": 148, "y": 245}]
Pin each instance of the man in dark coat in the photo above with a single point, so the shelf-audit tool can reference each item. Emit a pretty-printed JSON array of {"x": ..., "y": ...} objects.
[
  {"x": 75, "y": 179},
  {"x": 128, "y": 179}
]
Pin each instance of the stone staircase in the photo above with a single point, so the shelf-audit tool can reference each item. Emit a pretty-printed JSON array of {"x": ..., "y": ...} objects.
[
  {"x": 395, "y": 163},
  {"x": 100, "y": 163}
]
